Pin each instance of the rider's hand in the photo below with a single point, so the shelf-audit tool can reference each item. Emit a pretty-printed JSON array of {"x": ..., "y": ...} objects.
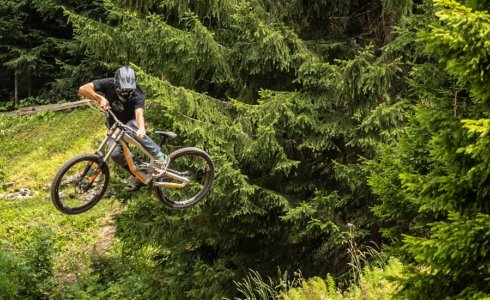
[
  {"x": 104, "y": 104},
  {"x": 141, "y": 133}
]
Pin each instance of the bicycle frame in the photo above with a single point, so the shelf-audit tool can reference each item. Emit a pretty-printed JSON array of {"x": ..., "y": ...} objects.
[{"x": 119, "y": 134}]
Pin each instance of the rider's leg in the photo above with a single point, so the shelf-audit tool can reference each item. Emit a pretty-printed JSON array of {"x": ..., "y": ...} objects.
[
  {"x": 118, "y": 156},
  {"x": 148, "y": 143}
]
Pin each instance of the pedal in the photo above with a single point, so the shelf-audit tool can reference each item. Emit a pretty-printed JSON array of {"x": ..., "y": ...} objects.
[
  {"x": 158, "y": 173},
  {"x": 159, "y": 168}
]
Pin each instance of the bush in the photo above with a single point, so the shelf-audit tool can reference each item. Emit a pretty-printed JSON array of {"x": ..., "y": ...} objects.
[
  {"x": 28, "y": 275},
  {"x": 373, "y": 283}
]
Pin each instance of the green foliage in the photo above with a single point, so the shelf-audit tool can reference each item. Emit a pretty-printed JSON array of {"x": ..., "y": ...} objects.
[
  {"x": 455, "y": 260},
  {"x": 314, "y": 288},
  {"x": 374, "y": 283},
  {"x": 28, "y": 275},
  {"x": 285, "y": 123},
  {"x": 432, "y": 182},
  {"x": 186, "y": 57},
  {"x": 309, "y": 213},
  {"x": 108, "y": 277},
  {"x": 36, "y": 53},
  {"x": 254, "y": 287},
  {"x": 325, "y": 120},
  {"x": 478, "y": 151},
  {"x": 458, "y": 42},
  {"x": 22, "y": 50}
]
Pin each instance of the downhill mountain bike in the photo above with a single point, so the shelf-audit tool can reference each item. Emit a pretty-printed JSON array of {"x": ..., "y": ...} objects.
[{"x": 179, "y": 182}]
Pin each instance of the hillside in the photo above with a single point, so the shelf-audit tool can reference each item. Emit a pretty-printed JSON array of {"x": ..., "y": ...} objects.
[{"x": 33, "y": 148}]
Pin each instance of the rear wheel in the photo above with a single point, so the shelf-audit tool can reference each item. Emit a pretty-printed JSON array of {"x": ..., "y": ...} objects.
[
  {"x": 194, "y": 164},
  {"x": 79, "y": 184}
]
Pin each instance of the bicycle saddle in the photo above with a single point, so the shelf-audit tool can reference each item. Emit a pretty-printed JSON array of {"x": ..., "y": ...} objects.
[{"x": 168, "y": 134}]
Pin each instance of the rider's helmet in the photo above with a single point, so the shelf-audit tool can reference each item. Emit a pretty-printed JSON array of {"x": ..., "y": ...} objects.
[{"x": 125, "y": 80}]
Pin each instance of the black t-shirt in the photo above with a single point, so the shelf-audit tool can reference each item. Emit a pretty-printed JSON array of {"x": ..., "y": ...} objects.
[{"x": 127, "y": 109}]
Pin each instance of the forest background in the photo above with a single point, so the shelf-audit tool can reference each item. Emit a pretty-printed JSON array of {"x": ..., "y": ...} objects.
[{"x": 335, "y": 126}]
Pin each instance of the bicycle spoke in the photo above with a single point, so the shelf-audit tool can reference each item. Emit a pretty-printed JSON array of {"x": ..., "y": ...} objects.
[
  {"x": 191, "y": 167},
  {"x": 76, "y": 188},
  {"x": 198, "y": 170}
]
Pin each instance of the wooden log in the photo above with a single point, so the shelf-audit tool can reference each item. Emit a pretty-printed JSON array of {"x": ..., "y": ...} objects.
[{"x": 31, "y": 110}]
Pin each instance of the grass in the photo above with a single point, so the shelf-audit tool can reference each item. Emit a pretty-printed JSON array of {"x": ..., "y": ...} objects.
[
  {"x": 33, "y": 149},
  {"x": 75, "y": 236}
]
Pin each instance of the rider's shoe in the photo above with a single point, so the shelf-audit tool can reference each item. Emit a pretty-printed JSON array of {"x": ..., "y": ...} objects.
[
  {"x": 133, "y": 185},
  {"x": 161, "y": 157},
  {"x": 161, "y": 163},
  {"x": 161, "y": 160}
]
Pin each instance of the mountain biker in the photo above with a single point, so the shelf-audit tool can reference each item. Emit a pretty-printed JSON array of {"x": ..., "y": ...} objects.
[{"x": 127, "y": 101}]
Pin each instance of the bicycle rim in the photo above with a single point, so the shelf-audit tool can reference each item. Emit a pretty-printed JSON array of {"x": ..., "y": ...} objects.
[
  {"x": 194, "y": 164},
  {"x": 79, "y": 184}
]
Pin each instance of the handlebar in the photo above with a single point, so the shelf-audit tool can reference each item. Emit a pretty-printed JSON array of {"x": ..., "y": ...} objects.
[{"x": 109, "y": 112}]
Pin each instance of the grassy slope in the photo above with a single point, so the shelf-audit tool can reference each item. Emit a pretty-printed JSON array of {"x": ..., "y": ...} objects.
[{"x": 33, "y": 148}]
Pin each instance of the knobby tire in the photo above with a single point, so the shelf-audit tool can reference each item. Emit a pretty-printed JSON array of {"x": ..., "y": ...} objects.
[
  {"x": 208, "y": 178},
  {"x": 58, "y": 180}
]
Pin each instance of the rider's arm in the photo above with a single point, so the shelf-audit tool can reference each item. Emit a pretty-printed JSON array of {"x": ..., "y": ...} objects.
[
  {"x": 88, "y": 91},
  {"x": 140, "y": 122}
]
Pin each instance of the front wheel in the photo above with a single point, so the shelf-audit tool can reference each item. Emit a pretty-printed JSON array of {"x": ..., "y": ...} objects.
[
  {"x": 195, "y": 165},
  {"x": 79, "y": 184}
]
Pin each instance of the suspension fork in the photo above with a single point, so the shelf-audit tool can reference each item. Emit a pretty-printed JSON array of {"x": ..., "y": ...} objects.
[
  {"x": 114, "y": 133},
  {"x": 110, "y": 134}
]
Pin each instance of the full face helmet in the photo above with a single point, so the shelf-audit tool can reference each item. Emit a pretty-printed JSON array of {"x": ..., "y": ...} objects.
[{"x": 125, "y": 81}]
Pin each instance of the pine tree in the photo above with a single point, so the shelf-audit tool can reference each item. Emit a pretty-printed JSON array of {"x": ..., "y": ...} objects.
[
  {"x": 433, "y": 181},
  {"x": 286, "y": 113},
  {"x": 36, "y": 49}
]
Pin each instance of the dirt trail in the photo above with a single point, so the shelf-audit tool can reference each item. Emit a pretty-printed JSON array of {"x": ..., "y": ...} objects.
[{"x": 103, "y": 243}]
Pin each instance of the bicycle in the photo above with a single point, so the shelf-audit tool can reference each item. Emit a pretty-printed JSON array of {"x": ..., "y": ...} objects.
[{"x": 187, "y": 175}]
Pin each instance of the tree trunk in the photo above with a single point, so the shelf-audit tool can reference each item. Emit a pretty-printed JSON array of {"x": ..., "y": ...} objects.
[
  {"x": 29, "y": 81},
  {"x": 16, "y": 89}
]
